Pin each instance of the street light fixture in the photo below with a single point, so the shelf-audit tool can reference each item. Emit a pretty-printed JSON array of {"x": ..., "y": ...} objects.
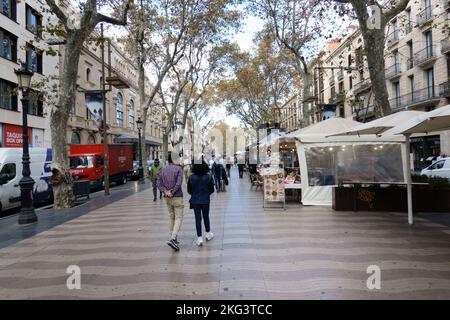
[
  {"x": 141, "y": 169},
  {"x": 27, "y": 214}
]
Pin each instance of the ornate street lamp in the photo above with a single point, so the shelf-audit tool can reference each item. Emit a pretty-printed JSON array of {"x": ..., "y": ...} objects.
[
  {"x": 27, "y": 214},
  {"x": 141, "y": 169}
]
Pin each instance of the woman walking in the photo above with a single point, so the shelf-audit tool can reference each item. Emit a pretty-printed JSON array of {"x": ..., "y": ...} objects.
[{"x": 200, "y": 187}]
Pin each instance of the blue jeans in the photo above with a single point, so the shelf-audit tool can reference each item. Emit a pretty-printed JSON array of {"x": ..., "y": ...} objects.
[
  {"x": 201, "y": 210},
  {"x": 218, "y": 185}
]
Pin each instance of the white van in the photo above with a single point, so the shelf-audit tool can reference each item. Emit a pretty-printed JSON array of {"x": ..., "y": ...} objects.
[
  {"x": 11, "y": 173},
  {"x": 440, "y": 168}
]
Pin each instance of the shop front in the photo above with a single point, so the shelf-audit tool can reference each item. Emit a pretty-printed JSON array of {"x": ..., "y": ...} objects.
[
  {"x": 11, "y": 136},
  {"x": 424, "y": 150}
]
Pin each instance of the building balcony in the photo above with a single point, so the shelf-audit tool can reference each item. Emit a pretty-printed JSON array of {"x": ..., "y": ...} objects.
[
  {"x": 393, "y": 72},
  {"x": 309, "y": 95},
  {"x": 331, "y": 81},
  {"x": 425, "y": 57},
  {"x": 336, "y": 98},
  {"x": 364, "y": 114},
  {"x": 408, "y": 27},
  {"x": 425, "y": 16},
  {"x": 362, "y": 86},
  {"x": 419, "y": 98},
  {"x": 444, "y": 89},
  {"x": 340, "y": 75},
  {"x": 409, "y": 63},
  {"x": 445, "y": 45},
  {"x": 446, "y": 4},
  {"x": 77, "y": 122},
  {"x": 393, "y": 38}
]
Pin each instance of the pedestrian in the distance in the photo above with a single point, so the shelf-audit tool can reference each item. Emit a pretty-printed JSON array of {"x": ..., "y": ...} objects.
[
  {"x": 219, "y": 174},
  {"x": 170, "y": 180},
  {"x": 154, "y": 171},
  {"x": 228, "y": 167},
  {"x": 200, "y": 187},
  {"x": 241, "y": 170}
]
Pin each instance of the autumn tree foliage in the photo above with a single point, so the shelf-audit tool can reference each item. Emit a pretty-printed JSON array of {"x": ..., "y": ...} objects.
[{"x": 74, "y": 28}]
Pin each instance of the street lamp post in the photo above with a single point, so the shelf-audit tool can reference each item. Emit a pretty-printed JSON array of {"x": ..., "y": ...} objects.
[
  {"x": 27, "y": 214},
  {"x": 141, "y": 169}
]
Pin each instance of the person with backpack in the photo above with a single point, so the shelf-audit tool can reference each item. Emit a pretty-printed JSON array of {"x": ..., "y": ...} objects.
[{"x": 200, "y": 187}]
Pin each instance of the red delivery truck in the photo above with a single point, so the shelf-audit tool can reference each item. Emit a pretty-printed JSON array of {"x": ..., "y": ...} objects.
[{"x": 87, "y": 163}]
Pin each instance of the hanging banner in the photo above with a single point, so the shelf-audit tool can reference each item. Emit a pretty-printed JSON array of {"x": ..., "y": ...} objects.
[
  {"x": 94, "y": 102},
  {"x": 37, "y": 138},
  {"x": 13, "y": 137},
  {"x": 329, "y": 111}
]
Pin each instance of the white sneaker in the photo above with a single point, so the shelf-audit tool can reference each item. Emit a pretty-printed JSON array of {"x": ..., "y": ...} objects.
[
  {"x": 199, "y": 241},
  {"x": 209, "y": 236}
]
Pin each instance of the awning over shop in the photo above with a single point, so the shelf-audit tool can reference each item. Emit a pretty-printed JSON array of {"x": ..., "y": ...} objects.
[{"x": 124, "y": 138}]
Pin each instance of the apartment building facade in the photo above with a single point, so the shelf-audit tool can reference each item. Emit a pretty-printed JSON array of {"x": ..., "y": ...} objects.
[
  {"x": 20, "y": 27},
  {"x": 21, "y": 22},
  {"x": 122, "y": 101},
  {"x": 417, "y": 58}
]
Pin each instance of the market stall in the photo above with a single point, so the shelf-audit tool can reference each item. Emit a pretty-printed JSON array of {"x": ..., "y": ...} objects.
[{"x": 327, "y": 161}]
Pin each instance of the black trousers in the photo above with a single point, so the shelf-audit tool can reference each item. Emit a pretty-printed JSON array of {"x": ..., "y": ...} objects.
[{"x": 201, "y": 210}]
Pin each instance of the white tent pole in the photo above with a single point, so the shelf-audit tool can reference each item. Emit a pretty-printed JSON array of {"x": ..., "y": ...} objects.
[{"x": 408, "y": 178}]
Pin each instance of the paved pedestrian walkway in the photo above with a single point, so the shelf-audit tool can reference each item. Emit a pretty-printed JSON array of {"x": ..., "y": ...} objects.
[{"x": 300, "y": 253}]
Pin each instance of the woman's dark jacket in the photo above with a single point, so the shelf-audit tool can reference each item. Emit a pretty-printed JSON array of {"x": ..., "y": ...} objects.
[{"x": 200, "y": 188}]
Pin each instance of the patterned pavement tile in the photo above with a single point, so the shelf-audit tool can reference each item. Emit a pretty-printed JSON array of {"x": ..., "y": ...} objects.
[{"x": 300, "y": 253}]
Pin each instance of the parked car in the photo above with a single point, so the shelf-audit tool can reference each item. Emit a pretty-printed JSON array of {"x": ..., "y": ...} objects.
[
  {"x": 134, "y": 174},
  {"x": 11, "y": 174},
  {"x": 440, "y": 168}
]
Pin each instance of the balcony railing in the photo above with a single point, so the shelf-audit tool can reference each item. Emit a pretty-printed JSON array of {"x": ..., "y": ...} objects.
[
  {"x": 444, "y": 89},
  {"x": 425, "y": 15},
  {"x": 445, "y": 45},
  {"x": 364, "y": 114},
  {"x": 393, "y": 71},
  {"x": 425, "y": 55},
  {"x": 446, "y": 4},
  {"x": 393, "y": 37},
  {"x": 331, "y": 81},
  {"x": 417, "y": 98},
  {"x": 408, "y": 27},
  {"x": 340, "y": 75},
  {"x": 336, "y": 98},
  {"x": 409, "y": 63},
  {"x": 362, "y": 86},
  {"x": 309, "y": 95}
]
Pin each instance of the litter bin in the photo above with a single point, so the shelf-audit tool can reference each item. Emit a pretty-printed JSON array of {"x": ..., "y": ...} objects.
[{"x": 81, "y": 188}]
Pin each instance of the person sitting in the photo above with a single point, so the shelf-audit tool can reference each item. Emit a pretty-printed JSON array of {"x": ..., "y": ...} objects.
[{"x": 257, "y": 181}]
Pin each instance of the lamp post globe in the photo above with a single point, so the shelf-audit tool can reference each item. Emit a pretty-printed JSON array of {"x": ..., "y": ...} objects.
[
  {"x": 141, "y": 168},
  {"x": 27, "y": 214}
]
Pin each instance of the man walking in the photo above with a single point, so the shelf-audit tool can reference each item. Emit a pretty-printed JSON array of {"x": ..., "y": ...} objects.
[
  {"x": 154, "y": 171},
  {"x": 170, "y": 180}
]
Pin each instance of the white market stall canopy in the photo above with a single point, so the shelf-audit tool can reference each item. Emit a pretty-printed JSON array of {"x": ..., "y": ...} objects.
[
  {"x": 381, "y": 125},
  {"x": 326, "y": 160}
]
